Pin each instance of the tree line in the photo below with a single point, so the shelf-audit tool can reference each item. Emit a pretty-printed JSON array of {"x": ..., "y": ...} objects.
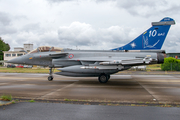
[
  {"x": 171, "y": 64},
  {"x": 3, "y": 47}
]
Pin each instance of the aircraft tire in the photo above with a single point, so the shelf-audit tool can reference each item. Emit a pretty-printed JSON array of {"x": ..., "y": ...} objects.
[
  {"x": 103, "y": 78},
  {"x": 50, "y": 78}
]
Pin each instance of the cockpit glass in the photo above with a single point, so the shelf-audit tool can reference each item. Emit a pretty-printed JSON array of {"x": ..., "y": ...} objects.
[{"x": 45, "y": 49}]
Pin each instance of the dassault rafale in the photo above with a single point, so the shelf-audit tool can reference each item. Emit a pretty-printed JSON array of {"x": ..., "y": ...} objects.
[{"x": 143, "y": 50}]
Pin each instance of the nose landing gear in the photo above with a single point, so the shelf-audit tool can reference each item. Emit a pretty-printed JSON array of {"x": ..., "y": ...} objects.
[{"x": 50, "y": 78}]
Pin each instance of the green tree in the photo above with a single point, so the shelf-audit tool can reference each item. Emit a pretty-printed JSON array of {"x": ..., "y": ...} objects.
[
  {"x": 3, "y": 47},
  {"x": 171, "y": 63}
]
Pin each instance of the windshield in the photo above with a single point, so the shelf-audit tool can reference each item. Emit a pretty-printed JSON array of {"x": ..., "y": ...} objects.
[{"x": 45, "y": 49}]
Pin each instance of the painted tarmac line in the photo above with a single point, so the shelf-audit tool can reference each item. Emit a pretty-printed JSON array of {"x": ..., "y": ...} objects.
[{"x": 53, "y": 92}]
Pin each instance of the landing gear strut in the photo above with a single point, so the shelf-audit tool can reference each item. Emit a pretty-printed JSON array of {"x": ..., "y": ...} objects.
[
  {"x": 50, "y": 78},
  {"x": 103, "y": 78}
]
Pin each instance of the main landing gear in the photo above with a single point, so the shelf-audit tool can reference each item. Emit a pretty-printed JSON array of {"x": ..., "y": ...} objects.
[
  {"x": 103, "y": 78},
  {"x": 50, "y": 78}
]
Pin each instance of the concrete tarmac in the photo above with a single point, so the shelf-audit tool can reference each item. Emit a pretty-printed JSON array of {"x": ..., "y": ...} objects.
[
  {"x": 58, "y": 111},
  {"x": 120, "y": 88}
]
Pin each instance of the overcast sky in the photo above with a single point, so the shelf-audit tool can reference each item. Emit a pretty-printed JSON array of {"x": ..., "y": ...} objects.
[{"x": 85, "y": 24}]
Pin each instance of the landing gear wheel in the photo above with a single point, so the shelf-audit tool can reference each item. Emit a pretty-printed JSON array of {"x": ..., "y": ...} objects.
[
  {"x": 50, "y": 78},
  {"x": 103, "y": 78}
]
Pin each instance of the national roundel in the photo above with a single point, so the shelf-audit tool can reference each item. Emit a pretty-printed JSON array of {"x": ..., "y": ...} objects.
[{"x": 71, "y": 56}]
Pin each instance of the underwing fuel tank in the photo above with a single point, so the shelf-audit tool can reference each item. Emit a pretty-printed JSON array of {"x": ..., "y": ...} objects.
[
  {"x": 78, "y": 74},
  {"x": 80, "y": 70},
  {"x": 90, "y": 69}
]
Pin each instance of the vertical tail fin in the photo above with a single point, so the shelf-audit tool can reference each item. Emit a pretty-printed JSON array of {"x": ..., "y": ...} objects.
[{"x": 153, "y": 38}]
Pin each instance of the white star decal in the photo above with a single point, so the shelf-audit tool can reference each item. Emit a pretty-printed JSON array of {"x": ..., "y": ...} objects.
[{"x": 133, "y": 45}]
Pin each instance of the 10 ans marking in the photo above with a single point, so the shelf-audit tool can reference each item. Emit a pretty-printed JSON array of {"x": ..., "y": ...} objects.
[{"x": 152, "y": 33}]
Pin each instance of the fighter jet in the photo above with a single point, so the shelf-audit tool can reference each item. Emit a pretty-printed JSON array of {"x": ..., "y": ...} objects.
[{"x": 143, "y": 50}]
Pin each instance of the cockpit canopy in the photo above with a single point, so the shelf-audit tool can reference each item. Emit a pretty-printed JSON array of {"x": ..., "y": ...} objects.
[{"x": 45, "y": 49}]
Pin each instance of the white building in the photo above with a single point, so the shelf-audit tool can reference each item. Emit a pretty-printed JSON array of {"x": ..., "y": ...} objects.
[
  {"x": 18, "y": 49},
  {"x": 28, "y": 47}
]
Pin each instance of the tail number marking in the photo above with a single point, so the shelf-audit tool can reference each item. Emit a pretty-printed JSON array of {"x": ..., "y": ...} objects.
[{"x": 152, "y": 33}]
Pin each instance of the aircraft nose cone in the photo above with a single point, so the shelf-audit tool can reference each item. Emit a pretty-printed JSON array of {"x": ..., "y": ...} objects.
[{"x": 18, "y": 60}]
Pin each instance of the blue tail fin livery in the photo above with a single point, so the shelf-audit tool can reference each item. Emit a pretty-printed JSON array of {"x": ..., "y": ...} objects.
[{"x": 151, "y": 39}]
